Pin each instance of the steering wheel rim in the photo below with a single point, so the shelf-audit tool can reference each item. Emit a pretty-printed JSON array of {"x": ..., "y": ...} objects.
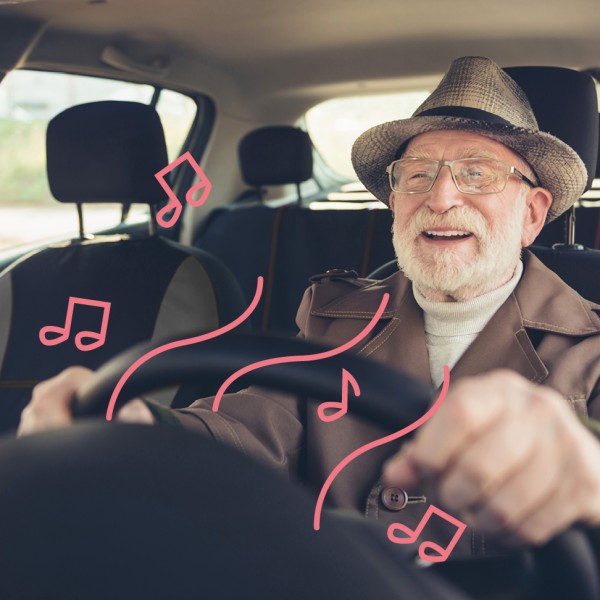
[
  {"x": 316, "y": 380},
  {"x": 222, "y": 356}
]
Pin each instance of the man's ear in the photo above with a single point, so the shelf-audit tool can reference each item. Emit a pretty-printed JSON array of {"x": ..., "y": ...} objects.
[
  {"x": 391, "y": 201},
  {"x": 538, "y": 202}
]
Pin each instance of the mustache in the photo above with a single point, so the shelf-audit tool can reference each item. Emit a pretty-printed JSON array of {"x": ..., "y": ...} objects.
[{"x": 463, "y": 219}]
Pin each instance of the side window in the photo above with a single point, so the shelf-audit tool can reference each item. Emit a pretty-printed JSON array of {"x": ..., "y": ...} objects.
[{"x": 28, "y": 100}]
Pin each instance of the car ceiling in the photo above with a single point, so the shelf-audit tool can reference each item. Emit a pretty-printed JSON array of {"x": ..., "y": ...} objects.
[{"x": 289, "y": 55}]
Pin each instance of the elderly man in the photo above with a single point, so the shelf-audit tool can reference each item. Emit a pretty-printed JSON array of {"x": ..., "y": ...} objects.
[{"x": 472, "y": 182}]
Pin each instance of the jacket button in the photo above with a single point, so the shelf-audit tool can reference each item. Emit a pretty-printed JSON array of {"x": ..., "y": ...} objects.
[{"x": 394, "y": 498}]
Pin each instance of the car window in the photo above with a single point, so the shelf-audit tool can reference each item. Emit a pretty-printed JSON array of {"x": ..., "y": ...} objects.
[
  {"x": 335, "y": 124},
  {"x": 28, "y": 100}
]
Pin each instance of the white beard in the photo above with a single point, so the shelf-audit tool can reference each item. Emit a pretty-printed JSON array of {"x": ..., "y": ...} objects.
[{"x": 444, "y": 273}]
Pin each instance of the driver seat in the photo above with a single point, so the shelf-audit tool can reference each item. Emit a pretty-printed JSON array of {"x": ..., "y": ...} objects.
[
  {"x": 565, "y": 104},
  {"x": 148, "y": 288}
]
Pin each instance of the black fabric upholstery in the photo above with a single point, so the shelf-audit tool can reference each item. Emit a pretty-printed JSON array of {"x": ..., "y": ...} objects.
[
  {"x": 309, "y": 242},
  {"x": 565, "y": 104},
  {"x": 554, "y": 92},
  {"x": 578, "y": 268},
  {"x": 275, "y": 156},
  {"x": 133, "y": 275},
  {"x": 134, "y": 288},
  {"x": 241, "y": 238},
  {"x": 106, "y": 151},
  {"x": 314, "y": 241}
]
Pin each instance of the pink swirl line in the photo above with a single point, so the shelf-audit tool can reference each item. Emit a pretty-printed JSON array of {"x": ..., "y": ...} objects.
[
  {"x": 302, "y": 358},
  {"x": 179, "y": 343},
  {"x": 380, "y": 442}
]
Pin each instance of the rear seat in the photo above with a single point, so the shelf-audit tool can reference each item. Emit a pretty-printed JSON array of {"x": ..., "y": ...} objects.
[{"x": 289, "y": 244}]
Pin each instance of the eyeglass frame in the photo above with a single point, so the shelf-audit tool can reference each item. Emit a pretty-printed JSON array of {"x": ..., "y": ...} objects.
[{"x": 449, "y": 163}]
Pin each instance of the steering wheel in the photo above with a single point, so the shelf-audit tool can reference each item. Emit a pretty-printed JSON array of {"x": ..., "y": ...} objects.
[
  {"x": 320, "y": 380},
  {"x": 388, "y": 398}
]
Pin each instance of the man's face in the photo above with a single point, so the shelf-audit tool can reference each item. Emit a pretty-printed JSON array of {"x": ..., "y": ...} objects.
[{"x": 484, "y": 233}]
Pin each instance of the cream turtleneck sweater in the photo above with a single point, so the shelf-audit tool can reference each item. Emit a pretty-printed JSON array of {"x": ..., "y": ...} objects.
[{"x": 450, "y": 327}]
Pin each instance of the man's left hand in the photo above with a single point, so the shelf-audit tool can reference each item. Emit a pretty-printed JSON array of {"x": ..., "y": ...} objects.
[{"x": 508, "y": 456}]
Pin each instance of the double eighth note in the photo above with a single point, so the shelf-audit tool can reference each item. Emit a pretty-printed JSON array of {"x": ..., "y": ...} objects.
[
  {"x": 175, "y": 204},
  {"x": 410, "y": 536},
  {"x": 62, "y": 333}
]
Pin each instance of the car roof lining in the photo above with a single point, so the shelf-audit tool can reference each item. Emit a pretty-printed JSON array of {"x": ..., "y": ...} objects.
[{"x": 257, "y": 57}]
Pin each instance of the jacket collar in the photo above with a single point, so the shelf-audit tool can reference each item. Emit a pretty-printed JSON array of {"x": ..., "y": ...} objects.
[
  {"x": 541, "y": 301},
  {"x": 548, "y": 304}
]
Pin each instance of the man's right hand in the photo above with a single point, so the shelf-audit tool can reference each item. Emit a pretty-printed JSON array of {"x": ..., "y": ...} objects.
[{"x": 51, "y": 399}]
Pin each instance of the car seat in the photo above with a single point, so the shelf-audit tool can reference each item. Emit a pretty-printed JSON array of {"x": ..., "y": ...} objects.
[
  {"x": 553, "y": 92},
  {"x": 147, "y": 288},
  {"x": 291, "y": 243},
  {"x": 565, "y": 104}
]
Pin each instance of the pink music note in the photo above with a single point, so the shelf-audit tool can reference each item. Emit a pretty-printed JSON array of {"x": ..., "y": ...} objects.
[
  {"x": 65, "y": 331},
  {"x": 411, "y": 536},
  {"x": 341, "y": 408},
  {"x": 175, "y": 204}
]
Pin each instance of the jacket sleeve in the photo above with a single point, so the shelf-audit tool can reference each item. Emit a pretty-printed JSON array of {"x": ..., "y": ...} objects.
[{"x": 262, "y": 423}]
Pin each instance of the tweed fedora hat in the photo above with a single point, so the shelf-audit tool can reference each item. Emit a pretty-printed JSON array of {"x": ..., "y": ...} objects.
[{"x": 476, "y": 95}]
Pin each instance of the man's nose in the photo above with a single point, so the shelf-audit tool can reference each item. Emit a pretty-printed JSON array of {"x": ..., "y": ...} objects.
[{"x": 444, "y": 194}]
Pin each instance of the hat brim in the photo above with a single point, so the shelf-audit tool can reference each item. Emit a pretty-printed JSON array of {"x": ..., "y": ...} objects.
[{"x": 557, "y": 166}]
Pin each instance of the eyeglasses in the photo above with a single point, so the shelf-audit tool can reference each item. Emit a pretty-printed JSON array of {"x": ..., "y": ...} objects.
[{"x": 470, "y": 175}]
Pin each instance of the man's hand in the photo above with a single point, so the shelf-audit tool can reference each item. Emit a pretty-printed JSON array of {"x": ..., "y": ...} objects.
[
  {"x": 50, "y": 401},
  {"x": 508, "y": 457}
]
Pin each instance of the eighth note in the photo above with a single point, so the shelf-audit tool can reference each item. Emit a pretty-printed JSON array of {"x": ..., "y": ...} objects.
[
  {"x": 64, "y": 331},
  {"x": 411, "y": 536},
  {"x": 175, "y": 204},
  {"x": 341, "y": 408}
]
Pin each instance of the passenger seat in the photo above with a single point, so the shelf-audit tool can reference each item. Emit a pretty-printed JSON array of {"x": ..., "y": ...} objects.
[{"x": 157, "y": 289}]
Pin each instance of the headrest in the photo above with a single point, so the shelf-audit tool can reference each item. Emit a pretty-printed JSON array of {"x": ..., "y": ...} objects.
[
  {"x": 106, "y": 152},
  {"x": 552, "y": 93},
  {"x": 275, "y": 156}
]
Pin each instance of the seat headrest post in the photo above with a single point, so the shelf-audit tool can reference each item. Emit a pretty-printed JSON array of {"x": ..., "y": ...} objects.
[
  {"x": 570, "y": 227},
  {"x": 80, "y": 217},
  {"x": 569, "y": 235},
  {"x": 299, "y": 194},
  {"x": 125, "y": 212},
  {"x": 152, "y": 221}
]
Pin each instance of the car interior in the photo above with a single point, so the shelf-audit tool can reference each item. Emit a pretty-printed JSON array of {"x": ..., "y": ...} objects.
[{"x": 96, "y": 97}]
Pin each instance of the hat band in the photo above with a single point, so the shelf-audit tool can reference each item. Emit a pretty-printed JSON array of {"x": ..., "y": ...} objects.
[{"x": 465, "y": 112}]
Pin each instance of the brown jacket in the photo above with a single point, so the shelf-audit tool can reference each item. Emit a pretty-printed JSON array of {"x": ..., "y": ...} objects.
[{"x": 545, "y": 331}]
